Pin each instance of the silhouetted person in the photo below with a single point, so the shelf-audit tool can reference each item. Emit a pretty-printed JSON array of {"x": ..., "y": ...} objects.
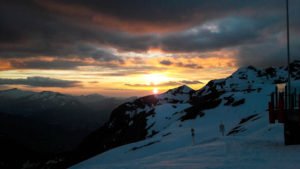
[
  {"x": 222, "y": 128},
  {"x": 193, "y": 135}
]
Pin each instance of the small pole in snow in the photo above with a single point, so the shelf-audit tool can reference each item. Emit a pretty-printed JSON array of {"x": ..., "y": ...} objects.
[
  {"x": 193, "y": 135},
  {"x": 222, "y": 128}
]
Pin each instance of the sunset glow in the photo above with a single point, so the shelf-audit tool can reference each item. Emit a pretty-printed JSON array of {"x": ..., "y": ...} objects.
[
  {"x": 155, "y": 90},
  {"x": 90, "y": 48},
  {"x": 154, "y": 79},
  {"x": 124, "y": 79}
]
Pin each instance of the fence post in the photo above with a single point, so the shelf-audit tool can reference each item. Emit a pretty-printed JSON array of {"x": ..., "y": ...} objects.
[
  {"x": 285, "y": 98},
  {"x": 276, "y": 97},
  {"x": 280, "y": 110},
  {"x": 271, "y": 113}
]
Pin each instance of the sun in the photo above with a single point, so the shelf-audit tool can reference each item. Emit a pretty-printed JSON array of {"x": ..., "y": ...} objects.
[
  {"x": 155, "y": 78},
  {"x": 155, "y": 90}
]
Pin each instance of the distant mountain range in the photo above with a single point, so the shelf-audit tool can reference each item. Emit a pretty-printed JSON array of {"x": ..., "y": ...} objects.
[{"x": 50, "y": 122}]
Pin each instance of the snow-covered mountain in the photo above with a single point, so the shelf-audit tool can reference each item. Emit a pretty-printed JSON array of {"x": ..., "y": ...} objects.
[{"x": 155, "y": 131}]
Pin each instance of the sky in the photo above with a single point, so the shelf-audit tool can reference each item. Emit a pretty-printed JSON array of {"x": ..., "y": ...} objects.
[{"x": 138, "y": 47}]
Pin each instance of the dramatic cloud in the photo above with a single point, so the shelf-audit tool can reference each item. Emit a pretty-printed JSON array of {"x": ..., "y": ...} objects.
[
  {"x": 170, "y": 83},
  {"x": 101, "y": 30},
  {"x": 42, "y": 64},
  {"x": 190, "y": 82},
  {"x": 166, "y": 62},
  {"x": 154, "y": 15},
  {"x": 230, "y": 32},
  {"x": 40, "y": 82},
  {"x": 191, "y": 66},
  {"x": 114, "y": 74},
  {"x": 275, "y": 54},
  {"x": 180, "y": 64},
  {"x": 122, "y": 41}
]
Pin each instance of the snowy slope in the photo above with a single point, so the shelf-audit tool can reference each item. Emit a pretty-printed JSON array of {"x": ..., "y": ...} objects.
[{"x": 239, "y": 101}]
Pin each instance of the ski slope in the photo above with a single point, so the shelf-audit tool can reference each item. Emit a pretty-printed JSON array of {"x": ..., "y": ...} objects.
[{"x": 263, "y": 149}]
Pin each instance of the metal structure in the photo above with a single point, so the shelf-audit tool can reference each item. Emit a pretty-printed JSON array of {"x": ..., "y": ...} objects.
[
  {"x": 287, "y": 111},
  {"x": 284, "y": 105},
  {"x": 288, "y": 48}
]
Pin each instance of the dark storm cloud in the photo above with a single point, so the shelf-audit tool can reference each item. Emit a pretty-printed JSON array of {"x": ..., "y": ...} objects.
[
  {"x": 191, "y": 82},
  {"x": 170, "y": 12},
  {"x": 95, "y": 52},
  {"x": 271, "y": 52},
  {"x": 166, "y": 62},
  {"x": 113, "y": 74},
  {"x": 180, "y": 64},
  {"x": 191, "y": 66},
  {"x": 230, "y": 32},
  {"x": 37, "y": 81},
  {"x": 27, "y": 30},
  {"x": 41, "y": 64},
  {"x": 85, "y": 29}
]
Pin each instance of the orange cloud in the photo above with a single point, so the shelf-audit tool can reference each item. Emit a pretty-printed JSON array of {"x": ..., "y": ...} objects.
[{"x": 5, "y": 65}]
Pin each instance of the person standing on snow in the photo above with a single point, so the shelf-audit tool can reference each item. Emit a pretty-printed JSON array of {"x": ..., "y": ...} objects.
[{"x": 222, "y": 128}]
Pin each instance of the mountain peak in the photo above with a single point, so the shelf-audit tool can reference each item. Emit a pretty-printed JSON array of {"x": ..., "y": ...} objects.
[
  {"x": 185, "y": 89},
  {"x": 180, "y": 90}
]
